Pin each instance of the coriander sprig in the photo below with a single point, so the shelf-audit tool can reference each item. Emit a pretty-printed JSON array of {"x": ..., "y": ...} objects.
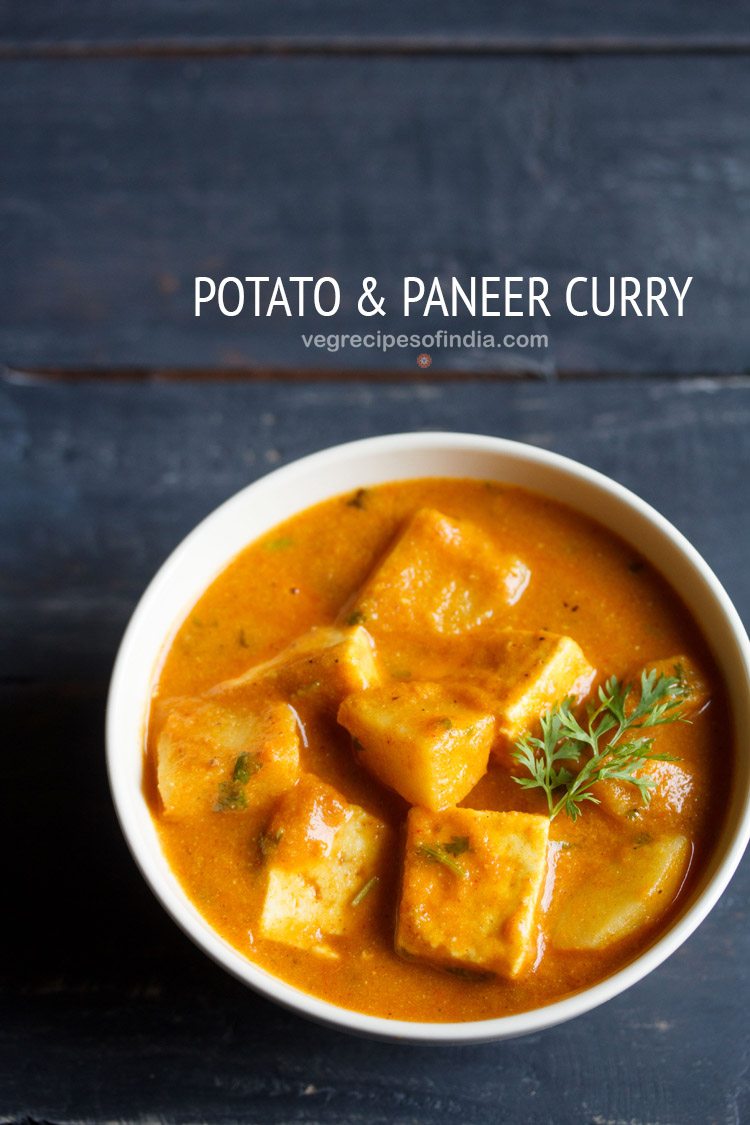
[{"x": 609, "y": 737}]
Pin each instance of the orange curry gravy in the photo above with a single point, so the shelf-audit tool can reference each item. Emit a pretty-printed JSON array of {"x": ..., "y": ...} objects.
[{"x": 585, "y": 582}]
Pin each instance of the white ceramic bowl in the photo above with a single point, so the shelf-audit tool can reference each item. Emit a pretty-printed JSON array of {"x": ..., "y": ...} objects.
[{"x": 208, "y": 549}]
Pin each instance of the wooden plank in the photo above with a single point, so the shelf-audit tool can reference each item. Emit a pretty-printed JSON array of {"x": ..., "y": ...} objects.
[
  {"x": 135, "y": 176},
  {"x": 108, "y": 477},
  {"x": 132, "y": 21}
]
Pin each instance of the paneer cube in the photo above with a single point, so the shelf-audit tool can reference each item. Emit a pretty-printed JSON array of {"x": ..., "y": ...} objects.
[
  {"x": 471, "y": 888},
  {"x": 213, "y": 756},
  {"x": 519, "y": 675},
  {"x": 694, "y": 685},
  {"x": 324, "y": 665},
  {"x": 603, "y": 903},
  {"x": 421, "y": 740},
  {"x": 442, "y": 576},
  {"x": 321, "y": 854}
]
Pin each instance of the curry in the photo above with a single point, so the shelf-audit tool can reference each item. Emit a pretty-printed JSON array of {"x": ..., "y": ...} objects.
[{"x": 439, "y": 750}]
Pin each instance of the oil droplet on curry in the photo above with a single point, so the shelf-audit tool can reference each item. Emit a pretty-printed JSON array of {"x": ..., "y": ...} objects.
[{"x": 439, "y": 750}]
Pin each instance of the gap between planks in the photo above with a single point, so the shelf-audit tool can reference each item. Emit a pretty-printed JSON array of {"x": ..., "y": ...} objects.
[
  {"x": 21, "y": 376},
  {"x": 470, "y": 46}
]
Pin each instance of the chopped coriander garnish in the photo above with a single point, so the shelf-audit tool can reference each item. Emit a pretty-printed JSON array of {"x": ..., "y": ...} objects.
[
  {"x": 232, "y": 793},
  {"x": 446, "y": 723},
  {"x": 356, "y": 618},
  {"x": 364, "y": 891},
  {"x": 565, "y": 740},
  {"x": 305, "y": 689},
  {"x": 245, "y": 766},
  {"x": 231, "y": 796},
  {"x": 476, "y": 975},
  {"x": 358, "y": 499},
  {"x": 458, "y": 845},
  {"x": 438, "y": 854},
  {"x": 268, "y": 841}
]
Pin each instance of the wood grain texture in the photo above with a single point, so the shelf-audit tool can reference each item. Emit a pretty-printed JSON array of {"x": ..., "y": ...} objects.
[
  {"x": 134, "y": 20},
  {"x": 109, "y": 1013},
  {"x": 136, "y": 175}
]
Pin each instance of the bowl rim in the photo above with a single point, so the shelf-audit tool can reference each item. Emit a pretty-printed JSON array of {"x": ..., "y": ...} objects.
[{"x": 176, "y": 901}]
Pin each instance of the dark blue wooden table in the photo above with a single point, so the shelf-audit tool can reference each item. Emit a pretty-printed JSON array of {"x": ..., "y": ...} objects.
[{"x": 145, "y": 142}]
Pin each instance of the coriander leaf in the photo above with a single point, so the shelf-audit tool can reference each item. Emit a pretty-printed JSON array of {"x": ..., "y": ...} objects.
[
  {"x": 438, "y": 853},
  {"x": 245, "y": 766},
  {"x": 307, "y": 689},
  {"x": 358, "y": 499},
  {"x": 458, "y": 845},
  {"x": 364, "y": 891},
  {"x": 231, "y": 796},
  {"x": 475, "y": 975},
  {"x": 268, "y": 841}
]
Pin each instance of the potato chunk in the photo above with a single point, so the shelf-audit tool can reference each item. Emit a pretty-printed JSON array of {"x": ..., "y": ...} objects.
[
  {"x": 320, "y": 853},
  {"x": 442, "y": 576},
  {"x": 484, "y": 919},
  {"x": 420, "y": 740},
  {"x": 673, "y": 790},
  {"x": 325, "y": 664},
  {"x": 212, "y": 756},
  {"x": 606, "y": 898},
  {"x": 519, "y": 675}
]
